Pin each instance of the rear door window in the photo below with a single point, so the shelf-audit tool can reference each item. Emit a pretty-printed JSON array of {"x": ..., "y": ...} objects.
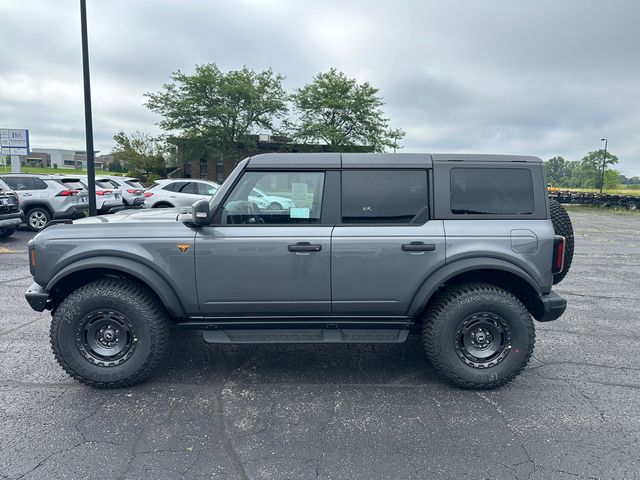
[
  {"x": 173, "y": 186},
  {"x": 190, "y": 187},
  {"x": 384, "y": 196},
  {"x": 491, "y": 191}
]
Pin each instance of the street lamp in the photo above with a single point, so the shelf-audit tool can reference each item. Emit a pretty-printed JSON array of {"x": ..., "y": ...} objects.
[
  {"x": 88, "y": 122},
  {"x": 604, "y": 163}
]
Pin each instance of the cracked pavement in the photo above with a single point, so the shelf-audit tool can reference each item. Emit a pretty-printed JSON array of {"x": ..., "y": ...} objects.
[{"x": 341, "y": 411}]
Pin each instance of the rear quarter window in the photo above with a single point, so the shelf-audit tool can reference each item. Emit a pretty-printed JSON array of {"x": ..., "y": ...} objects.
[
  {"x": 104, "y": 184},
  {"x": 491, "y": 191},
  {"x": 72, "y": 184},
  {"x": 134, "y": 183}
]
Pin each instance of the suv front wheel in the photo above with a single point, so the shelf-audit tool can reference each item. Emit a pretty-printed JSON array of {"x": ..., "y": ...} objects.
[
  {"x": 478, "y": 336},
  {"x": 110, "y": 333}
]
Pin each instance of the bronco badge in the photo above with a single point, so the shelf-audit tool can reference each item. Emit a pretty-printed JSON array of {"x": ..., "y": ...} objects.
[{"x": 183, "y": 247}]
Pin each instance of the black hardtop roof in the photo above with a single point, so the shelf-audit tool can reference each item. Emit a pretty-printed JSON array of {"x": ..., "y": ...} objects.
[{"x": 374, "y": 160}]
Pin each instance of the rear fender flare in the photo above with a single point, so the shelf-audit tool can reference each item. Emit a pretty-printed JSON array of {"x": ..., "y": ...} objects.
[{"x": 447, "y": 272}]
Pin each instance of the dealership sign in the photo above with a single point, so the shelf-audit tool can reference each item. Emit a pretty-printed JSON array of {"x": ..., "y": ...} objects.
[{"x": 14, "y": 141}]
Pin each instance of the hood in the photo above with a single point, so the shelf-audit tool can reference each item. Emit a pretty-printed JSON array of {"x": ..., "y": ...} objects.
[{"x": 137, "y": 216}]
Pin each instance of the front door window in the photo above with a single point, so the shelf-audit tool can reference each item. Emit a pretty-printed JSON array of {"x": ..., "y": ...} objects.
[{"x": 275, "y": 198}]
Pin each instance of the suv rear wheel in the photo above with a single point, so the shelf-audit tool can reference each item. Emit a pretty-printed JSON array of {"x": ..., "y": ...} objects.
[
  {"x": 562, "y": 226},
  {"x": 110, "y": 333},
  {"x": 37, "y": 218},
  {"x": 478, "y": 336}
]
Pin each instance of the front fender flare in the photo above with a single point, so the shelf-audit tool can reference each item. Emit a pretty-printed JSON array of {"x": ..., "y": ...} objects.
[
  {"x": 450, "y": 270},
  {"x": 131, "y": 267}
]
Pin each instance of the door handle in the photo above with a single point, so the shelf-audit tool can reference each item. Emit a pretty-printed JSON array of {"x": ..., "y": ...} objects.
[
  {"x": 418, "y": 247},
  {"x": 304, "y": 247}
]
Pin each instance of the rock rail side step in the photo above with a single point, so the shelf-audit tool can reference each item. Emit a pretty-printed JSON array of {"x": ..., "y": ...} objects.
[{"x": 307, "y": 335}]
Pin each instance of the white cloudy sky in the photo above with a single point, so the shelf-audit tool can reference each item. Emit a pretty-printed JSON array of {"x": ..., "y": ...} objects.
[{"x": 542, "y": 77}]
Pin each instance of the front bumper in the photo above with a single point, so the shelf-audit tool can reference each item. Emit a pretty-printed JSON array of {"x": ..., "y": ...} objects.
[
  {"x": 10, "y": 220},
  {"x": 37, "y": 297},
  {"x": 553, "y": 307}
]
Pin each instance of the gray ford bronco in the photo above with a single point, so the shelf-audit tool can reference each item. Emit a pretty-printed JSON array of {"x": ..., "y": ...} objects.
[{"x": 462, "y": 249}]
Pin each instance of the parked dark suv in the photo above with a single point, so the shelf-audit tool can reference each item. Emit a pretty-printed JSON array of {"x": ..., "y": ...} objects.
[
  {"x": 368, "y": 248},
  {"x": 10, "y": 214}
]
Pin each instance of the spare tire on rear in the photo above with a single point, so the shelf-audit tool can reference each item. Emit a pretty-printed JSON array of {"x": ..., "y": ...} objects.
[{"x": 562, "y": 226}]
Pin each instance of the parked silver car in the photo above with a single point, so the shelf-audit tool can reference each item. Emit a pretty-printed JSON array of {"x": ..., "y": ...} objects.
[
  {"x": 178, "y": 192},
  {"x": 46, "y": 197},
  {"x": 130, "y": 188},
  {"x": 108, "y": 199}
]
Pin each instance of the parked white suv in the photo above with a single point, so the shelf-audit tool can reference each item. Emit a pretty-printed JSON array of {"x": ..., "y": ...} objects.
[
  {"x": 130, "y": 188},
  {"x": 47, "y": 197},
  {"x": 178, "y": 192},
  {"x": 269, "y": 202},
  {"x": 108, "y": 199}
]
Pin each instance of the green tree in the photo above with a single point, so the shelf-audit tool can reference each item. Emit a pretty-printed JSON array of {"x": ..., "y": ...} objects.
[
  {"x": 116, "y": 166},
  {"x": 339, "y": 111},
  {"x": 611, "y": 179},
  {"x": 141, "y": 153},
  {"x": 557, "y": 170},
  {"x": 225, "y": 107},
  {"x": 591, "y": 167}
]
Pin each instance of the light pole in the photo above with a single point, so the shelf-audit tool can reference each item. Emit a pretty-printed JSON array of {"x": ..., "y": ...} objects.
[
  {"x": 604, "y": 163},
  {"x": 88, "y": 121}
]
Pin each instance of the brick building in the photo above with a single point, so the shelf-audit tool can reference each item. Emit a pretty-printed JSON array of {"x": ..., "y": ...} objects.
[{"x": 198, "y": 158}]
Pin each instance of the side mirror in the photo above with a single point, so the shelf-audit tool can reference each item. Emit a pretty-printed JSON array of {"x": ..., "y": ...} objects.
[{"x": 200, "y": 212}]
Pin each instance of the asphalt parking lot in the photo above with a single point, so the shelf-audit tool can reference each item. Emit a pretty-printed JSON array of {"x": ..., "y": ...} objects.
[{"x": 341, "y": 412}]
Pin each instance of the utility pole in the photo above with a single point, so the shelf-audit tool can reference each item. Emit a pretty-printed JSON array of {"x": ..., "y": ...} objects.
[
  {"x": 604, "y": 163},
  {"x": 88, "y": 121}
]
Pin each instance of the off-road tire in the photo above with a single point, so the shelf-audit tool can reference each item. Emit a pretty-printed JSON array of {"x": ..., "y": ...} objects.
[
  {"x": 42, "y": 213},
  {"x": 7, "y": 232},
  {"x": 147, "y": 316},
  {"x": 562, "y": 226},
  {"x": 440, "y": 338}
]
